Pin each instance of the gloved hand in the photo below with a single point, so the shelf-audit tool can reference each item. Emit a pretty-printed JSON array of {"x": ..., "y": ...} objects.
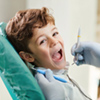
[
  {"x": 51, "y": 89},
  {"x": 86, "y": 53}
]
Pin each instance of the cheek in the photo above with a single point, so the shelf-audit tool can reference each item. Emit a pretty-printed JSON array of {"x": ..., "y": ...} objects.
[{"x": 43, "y": 53}]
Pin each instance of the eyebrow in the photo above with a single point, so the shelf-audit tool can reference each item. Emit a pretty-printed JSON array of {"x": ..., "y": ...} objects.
[
  {"x": 43, "y": 34},
  {"x": 39, "y": 37},
  {"x": 54, "y": 28}
]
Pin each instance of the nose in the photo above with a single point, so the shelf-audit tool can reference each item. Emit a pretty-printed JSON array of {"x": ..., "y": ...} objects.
[{"x": 53, "y": 42}]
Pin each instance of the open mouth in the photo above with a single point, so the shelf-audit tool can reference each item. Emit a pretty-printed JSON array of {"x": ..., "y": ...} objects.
[
  {"x": 60, "y": 52},
  {"x": 57, "y": 56}
]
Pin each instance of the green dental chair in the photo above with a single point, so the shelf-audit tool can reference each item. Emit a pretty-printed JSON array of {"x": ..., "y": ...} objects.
[{"x": 14, "y": 74}]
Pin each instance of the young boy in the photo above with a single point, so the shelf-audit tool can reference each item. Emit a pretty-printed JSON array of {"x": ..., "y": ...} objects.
[{"x": 36, "y": 38}]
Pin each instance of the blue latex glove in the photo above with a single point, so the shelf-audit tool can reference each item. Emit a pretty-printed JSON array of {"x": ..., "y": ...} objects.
[
  {"x": 86, "y": 53},
  {"x": 51, "y": 88}
]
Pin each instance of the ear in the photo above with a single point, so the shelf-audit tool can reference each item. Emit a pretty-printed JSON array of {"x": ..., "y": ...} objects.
[{"x": 26, "y": 56}]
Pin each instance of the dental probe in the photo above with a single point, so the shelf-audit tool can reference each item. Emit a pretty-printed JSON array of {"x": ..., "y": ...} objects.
[
  {"x": 57, "y": 78},
  {"x": 78, "y": 41},
  {"x": 78, "y": 37}
]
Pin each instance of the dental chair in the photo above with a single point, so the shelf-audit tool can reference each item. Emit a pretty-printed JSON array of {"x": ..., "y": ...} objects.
[{"x": 16, "y": 81}]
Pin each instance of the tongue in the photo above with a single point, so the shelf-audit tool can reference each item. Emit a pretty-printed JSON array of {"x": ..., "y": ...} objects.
[{"x": 56, "y": 56}]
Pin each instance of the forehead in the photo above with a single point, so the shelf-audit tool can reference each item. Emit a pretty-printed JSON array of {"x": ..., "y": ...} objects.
[{"x": 44, "y": 30}]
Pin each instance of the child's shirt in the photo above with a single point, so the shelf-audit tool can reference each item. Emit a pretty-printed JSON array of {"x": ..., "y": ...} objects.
[{"x": 72, "y": 89}]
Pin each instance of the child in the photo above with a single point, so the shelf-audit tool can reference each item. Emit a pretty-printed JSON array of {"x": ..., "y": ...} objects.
[{"x": 36, "y": 38}]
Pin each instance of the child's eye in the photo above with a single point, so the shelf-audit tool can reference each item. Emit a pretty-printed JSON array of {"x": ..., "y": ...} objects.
[
  {"x": 54, "y": 34},
  {"x": 42, "y": 42}
]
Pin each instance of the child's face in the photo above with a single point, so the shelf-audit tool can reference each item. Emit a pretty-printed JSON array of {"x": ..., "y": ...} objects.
[{"x": 47, "y": 47}]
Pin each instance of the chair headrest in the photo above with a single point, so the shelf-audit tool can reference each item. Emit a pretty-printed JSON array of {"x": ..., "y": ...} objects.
[
  {"x": 16, "y": 72},
  {"x": 2, "y": 29}
]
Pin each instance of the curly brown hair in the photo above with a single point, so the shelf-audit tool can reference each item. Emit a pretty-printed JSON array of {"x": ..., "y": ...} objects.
[{"x": 21, "y": 27}]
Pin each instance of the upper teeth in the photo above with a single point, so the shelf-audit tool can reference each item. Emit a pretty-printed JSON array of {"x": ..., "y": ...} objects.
[{"x": 59, "y": 51}]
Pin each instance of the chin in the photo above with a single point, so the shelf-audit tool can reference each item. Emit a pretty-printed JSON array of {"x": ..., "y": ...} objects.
[{"x": 61, "y": 67}]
